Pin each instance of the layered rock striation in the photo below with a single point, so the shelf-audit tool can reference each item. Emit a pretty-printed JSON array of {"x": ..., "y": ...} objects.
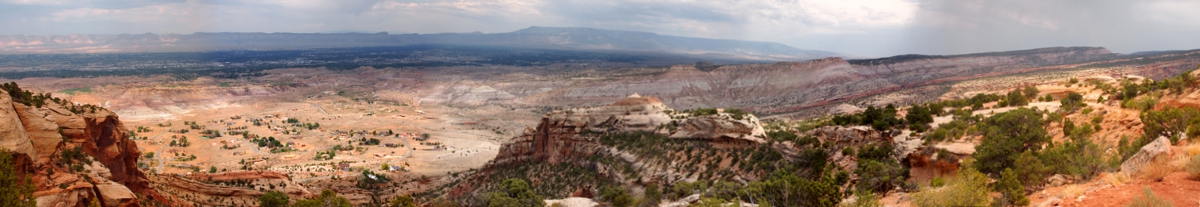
[
  {"x": 73, "y": 158},
  {"x": 573, "y": 137},
  {"x": 781, "y": 87},
  {"x": 561, "y": 135}
]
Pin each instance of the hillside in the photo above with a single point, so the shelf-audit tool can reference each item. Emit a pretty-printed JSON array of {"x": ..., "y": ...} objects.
[
  {"x": 1092, "y": 141},
  {"x": 637, "y": 144}
]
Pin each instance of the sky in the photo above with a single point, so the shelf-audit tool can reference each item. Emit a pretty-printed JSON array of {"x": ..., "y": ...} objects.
[{"x": 870, "y": 28}]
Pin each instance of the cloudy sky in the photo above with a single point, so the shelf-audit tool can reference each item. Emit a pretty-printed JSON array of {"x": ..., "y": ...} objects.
[{"x": 860, "y": 27}]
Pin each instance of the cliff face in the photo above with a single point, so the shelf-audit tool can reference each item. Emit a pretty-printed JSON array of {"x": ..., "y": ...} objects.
[
  {"x": 105, "y": 169},
  {"x": 760, "y": 87},
  {"x": 920, "y": 70},
  {"x": 558, "y": 136},
  {"x": 572, "y": 137}
]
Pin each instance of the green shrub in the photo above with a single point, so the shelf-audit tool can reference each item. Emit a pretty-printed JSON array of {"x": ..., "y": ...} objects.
[
  {"x": 737, "y": 114},
  {"x": 863, "y": 199},
  {"x": 937, "y": 135},
  {"x": 273, "y": 199},
  {"x": 1006, "y": 133},
  {"x": 1011, "y": 190},
  {"x": 712, "y": 202},
  {"x": 652, "y": 195},
  {"x": 1072, "y": 102},
  {"x": 402, "y": 201},
  {"x": 968, "y": 189},
  {"x": 879, "y": 176},
  {"x": 1078, "y": 156},
  {"x": 786, "y": 189},
  {"x": 1169, "y": 122},
  {"x": 685, "y": 189},
  {"x": 1030, "y": 169},
  {"x": 1148, "y": 199},
  {"x": 514, "y": 192},
  {"x": 937, "y": 182},
  {"x": 617, "y": 196}
]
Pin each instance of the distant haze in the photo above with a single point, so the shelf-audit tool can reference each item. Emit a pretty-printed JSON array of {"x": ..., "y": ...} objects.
[
  {"x": 859, "y": 27},
  {"x": 557, "y": 38}
]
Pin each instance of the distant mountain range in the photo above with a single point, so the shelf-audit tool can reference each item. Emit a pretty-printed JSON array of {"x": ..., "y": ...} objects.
[{"x": 533, "y": 37}]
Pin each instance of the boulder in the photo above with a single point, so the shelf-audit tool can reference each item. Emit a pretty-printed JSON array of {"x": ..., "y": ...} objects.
[
  {"x": 682, "y": 202},
  {"x": 573, "y": 202},
  {"x": 1057, "y": 180},
  {"x": 721, "y": 127},
  {"x": 114, "y": 194},
  {"x": 1157, "y": 147},
  {"x": 851, "y": 135}
]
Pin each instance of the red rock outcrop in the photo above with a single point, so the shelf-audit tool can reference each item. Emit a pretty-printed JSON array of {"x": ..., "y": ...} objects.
[
  {"x": 556, "y": 137},
  {"x": 193, "y": 184},
  {"x": 568, "y": 137},
  {"x": 38, "y": 136}
]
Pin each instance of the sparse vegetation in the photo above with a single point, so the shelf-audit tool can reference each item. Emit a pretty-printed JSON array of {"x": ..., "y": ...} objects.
[
  {"x": 1011, "y": 190},
  {"x": 514, "y": 193},
  {"x": 1170, "y": 122},
  {"x": 74, "y": 159},
  {"x": 1149, "y": 199},
  {"x": 880, "y": 119},
  {"x": 1156, "y": 170},
  {"x": 617, "y": 196},
  {"x": 1193, "y": 167},
  {"x": 1006, "y": 134},
  {"x": 273, "y": 199},
  {"x": 968, "y": 189},
  {"x": 328, "y": 198},
  {"x": 878, "y": 172}
]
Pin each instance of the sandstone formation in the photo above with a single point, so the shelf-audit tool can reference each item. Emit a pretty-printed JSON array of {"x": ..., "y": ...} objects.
[
  {"x": 192, "y": 183},
  {"x": 571, "y": 137},
  {"x": 39, "y": 136},
  {"x": 557, "y": 137}
]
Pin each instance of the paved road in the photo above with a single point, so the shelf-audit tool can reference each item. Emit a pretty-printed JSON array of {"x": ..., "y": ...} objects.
[
  {"x": 158, "y": 155},
  {"x": 319, "y": 108}
]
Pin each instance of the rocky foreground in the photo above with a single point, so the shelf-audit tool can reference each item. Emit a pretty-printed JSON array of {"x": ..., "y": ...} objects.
[{"x": 75, "y": 155}]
